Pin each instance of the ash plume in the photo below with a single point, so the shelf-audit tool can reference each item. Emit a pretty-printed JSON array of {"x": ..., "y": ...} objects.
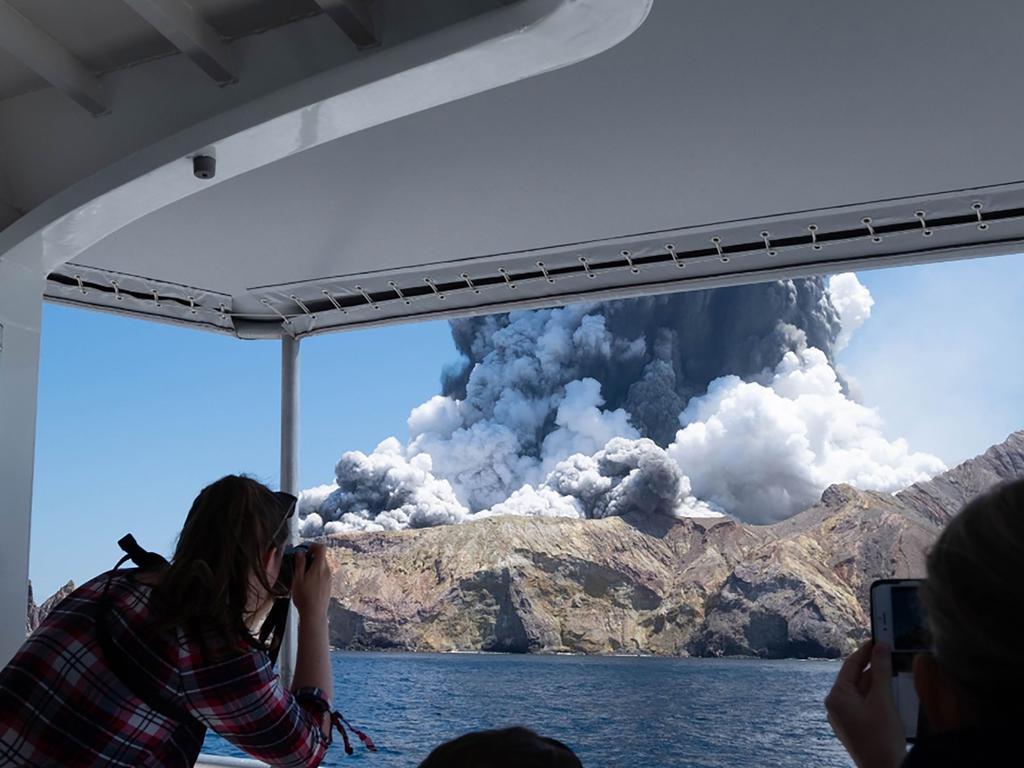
[
  {"x": 705, "y": 402},
  {"x": 649, "y": 354}
]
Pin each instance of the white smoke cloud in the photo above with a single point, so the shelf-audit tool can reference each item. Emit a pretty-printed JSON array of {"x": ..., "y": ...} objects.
[
  {"x": 526, "y": 407},
  {"x": 385, "y": 490},
  {"x": 582, "y": 426},
  {"x": 554, "y": 411},
  {"x": 764, "y": 451},
  {"x": 627, "y": 476},
  {"x": 852, "y": 301},
  {"x": 311, "y": 498},
  {"x": 536, "y": 502}
]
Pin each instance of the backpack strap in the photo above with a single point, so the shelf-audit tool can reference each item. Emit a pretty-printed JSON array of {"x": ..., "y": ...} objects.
[{"x": 128, "y": 670}]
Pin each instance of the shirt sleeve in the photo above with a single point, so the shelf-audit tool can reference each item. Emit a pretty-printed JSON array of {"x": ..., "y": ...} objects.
[{"x": 242, "y": 699}]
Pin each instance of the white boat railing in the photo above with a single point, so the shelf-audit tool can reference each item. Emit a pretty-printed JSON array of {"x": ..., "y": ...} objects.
[{"x": 240, "y": 762}]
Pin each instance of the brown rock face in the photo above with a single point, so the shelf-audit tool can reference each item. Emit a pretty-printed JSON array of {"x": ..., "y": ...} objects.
[
  {"x": 36, "y": 613},
  {"x": 647, "y": 584},
  {"x": 941, "y": 497},
  {"x": 531, "y": 585}
]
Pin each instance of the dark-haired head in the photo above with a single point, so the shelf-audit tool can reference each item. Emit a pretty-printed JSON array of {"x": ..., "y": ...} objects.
[
  {"x": 507, "y": 748},
  {"x": 225, "y": 561}
]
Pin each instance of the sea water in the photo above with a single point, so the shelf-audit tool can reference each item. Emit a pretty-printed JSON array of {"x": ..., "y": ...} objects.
[{"x": 613, "y": 711}]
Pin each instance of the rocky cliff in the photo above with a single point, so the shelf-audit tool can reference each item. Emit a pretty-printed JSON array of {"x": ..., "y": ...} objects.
[
  {"x": 647, "y": 584},
  {"x": 941, "y": 497},
  {"x": 36, "y": 613}
]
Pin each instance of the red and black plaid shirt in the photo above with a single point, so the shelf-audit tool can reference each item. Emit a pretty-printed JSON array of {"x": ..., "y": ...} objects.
[{"x": 61, "y": 704}]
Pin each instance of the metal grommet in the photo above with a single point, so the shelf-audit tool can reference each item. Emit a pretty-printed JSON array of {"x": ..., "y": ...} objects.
[
  {"x": 544, "y": 270},
  {"x": 718, "y": 246},
  {"x": 629, "y": 260},
  {"x": 768, "y": 244},
  {"x": 670, "y": 247},
  {"x": 813, "y": 229},
  {"x": 508, "y": 278},
  {"x": 866, "y": 221},
  {"x": 272, "y": 308},
  {"x": 982, "y": 224},
  {"x": 396, "y": 289},
  {"x": 586, "y": 266},
  {"x": 334, "y": 301},
  {"x": 920, "y": 215},
  {"x": 434, "y": 288},
  {"x": 302, "y": 306},
  {"x": 366, "y": 296}
]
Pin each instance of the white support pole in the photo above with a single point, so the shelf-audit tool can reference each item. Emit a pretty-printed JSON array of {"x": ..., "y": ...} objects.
[
  {"x": 290, "y": 479},
  {"x": 21, "y": 301}
]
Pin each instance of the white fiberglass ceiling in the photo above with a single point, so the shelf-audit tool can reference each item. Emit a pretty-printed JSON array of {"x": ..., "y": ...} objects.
[{"x": 753, "y": 138}]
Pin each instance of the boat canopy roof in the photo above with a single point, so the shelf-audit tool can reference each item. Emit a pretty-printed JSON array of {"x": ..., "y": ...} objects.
[{"x": 392, "y": 161}]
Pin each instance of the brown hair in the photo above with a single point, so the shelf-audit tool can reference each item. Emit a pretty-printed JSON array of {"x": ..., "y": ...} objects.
[
  {"x": 508, "y": 748},
  {"x": 975, "y": 601},
  {"x": 231, "y": 526}
]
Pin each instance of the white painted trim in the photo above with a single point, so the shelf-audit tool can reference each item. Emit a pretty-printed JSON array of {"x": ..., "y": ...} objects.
[
  {"x": 520, "y": 41},
  {"x": 234, "y": 762}
]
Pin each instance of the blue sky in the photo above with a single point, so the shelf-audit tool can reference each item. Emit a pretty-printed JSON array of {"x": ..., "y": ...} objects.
[{"x": 135, "y": 417}]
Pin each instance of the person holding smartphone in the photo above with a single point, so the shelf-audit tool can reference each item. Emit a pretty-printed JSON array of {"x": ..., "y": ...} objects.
[
  {"x": 970, "y": 684},
  {"x": 135, "y": 665}
]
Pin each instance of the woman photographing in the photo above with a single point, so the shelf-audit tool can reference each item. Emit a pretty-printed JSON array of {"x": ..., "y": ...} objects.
[{"x": 135, "y": 665}]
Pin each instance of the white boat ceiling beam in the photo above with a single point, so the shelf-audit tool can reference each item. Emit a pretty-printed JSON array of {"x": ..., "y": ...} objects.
[
  {"x": 50, "y": 60},
  {"x": 190, "y": 34},
  {"x": 355, "y": 20}
]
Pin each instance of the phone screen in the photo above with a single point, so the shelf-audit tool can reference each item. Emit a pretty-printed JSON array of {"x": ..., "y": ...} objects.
[
  {"x": 898, "y": 619},
  {"x": 909, "y": 630}
]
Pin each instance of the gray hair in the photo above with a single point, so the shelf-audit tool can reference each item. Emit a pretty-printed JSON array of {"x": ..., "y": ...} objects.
[{"x": 974, "y": 596}]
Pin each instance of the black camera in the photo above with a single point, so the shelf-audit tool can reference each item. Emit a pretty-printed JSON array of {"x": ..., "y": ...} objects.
[{"x": 284, "y": 576}]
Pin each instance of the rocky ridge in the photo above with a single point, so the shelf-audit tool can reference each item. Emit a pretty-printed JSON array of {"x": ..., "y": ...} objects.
[
  {"x": 36, "y": 613},
  {"x": 694, "y": 586}
]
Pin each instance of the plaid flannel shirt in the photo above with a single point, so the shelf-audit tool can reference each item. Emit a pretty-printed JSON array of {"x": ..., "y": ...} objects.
[{"x": 61, "y": 704}]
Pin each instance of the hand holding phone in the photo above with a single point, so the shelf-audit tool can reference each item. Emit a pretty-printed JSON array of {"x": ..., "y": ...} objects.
[
  {"x": 861, "y": 710},
  {"x": 898, "y": 621}
]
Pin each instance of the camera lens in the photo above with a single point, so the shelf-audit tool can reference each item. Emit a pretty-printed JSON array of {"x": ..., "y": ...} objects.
[{"x": 284, "y": 576}]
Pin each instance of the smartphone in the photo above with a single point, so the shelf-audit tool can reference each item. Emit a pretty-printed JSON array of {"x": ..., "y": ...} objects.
[{"x": 898, "y": 620}]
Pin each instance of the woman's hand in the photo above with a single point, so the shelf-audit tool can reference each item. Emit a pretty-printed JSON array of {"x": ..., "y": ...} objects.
[
  {"x": 311, "y": 594},
  {"x": 862, "y": 712},
  {"x": 311, "y": 582}
]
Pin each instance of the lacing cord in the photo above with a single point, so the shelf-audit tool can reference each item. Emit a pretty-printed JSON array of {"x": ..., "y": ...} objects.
[{"x": 338, "y": 722}]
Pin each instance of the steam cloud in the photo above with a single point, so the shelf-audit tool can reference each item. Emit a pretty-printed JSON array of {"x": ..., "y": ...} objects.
[{"x": 697, "y": 403}]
